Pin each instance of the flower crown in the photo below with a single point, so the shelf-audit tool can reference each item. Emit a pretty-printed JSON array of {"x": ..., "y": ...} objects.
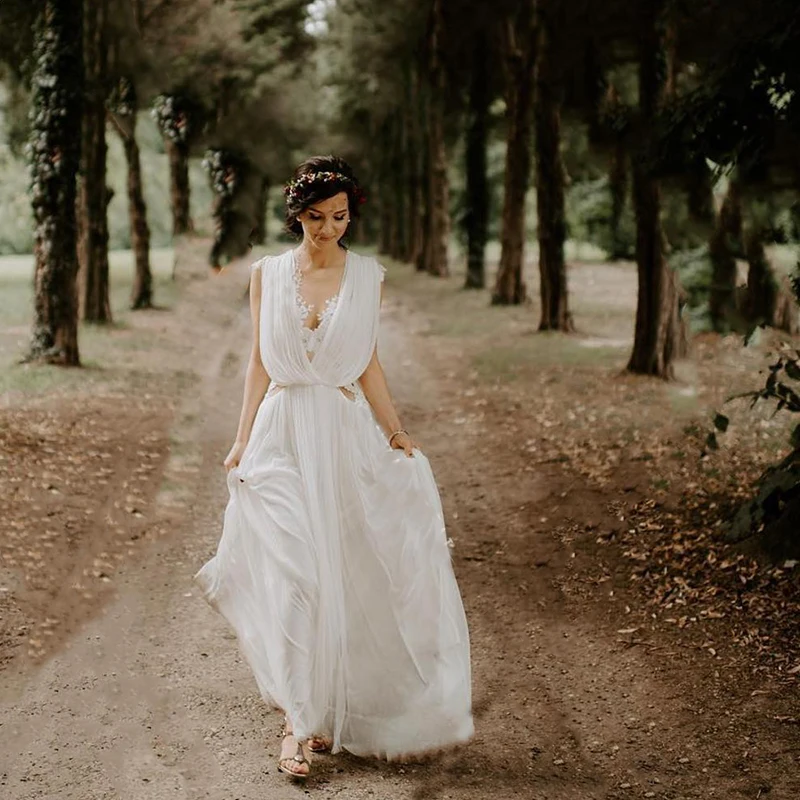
[{"x": 294, "y": 187}]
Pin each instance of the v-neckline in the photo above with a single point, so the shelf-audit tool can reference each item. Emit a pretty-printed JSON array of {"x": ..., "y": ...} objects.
[{"x": 300, "y": 300}]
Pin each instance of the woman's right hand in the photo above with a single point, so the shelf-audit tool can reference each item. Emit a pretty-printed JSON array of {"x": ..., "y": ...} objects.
[{"x": 234, "y": 456}]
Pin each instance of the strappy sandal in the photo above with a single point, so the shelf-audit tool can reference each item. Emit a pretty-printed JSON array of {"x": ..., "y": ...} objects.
[{"x": 298, "y": 758}]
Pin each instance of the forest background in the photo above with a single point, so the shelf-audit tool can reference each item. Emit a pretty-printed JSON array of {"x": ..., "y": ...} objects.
[{"x": 589, "y": 213}]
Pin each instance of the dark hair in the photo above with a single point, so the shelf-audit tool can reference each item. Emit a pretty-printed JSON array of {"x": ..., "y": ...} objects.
[{"x": 334, "y": 175}]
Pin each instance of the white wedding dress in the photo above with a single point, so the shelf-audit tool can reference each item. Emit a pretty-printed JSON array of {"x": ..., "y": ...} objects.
[{"x": 333, "y": 566}]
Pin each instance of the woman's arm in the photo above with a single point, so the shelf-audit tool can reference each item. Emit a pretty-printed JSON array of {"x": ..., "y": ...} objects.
[
  {"x": 256, "y": 379},
  {"x": 376, "y": 390}
]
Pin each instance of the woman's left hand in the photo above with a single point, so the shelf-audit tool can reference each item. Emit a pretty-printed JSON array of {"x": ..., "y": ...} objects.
[{"x": 405, "y": 443}]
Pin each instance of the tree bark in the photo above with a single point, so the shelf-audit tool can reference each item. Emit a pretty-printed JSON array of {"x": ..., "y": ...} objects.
[
  {"x": 509, "y": 287},
  {"x": 142, "y": 291},
  {"x": 476, "y": 219},
  {"x": 416, "y": 198},
  {"x": 762, "y": 288},
  {"x": 551, "y": 229},
  {"x": 657, "y": 332},
  {"x": 178, "y": 156},
  {"x": 768, "y": 300},
  {"x": 93, "y": 192},
  {"x": 618, "y": 180},
  {"x": 436, "y": 260},
  {"x": 55, "y": 138},
  {"x": 725, "y": 242}
]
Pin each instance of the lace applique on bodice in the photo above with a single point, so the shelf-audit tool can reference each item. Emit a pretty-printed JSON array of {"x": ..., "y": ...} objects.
[{"x": 312, "y": 337}]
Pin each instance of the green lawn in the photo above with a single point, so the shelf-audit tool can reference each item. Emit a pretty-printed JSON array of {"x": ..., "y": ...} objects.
[{"x": 102, "y": 348}]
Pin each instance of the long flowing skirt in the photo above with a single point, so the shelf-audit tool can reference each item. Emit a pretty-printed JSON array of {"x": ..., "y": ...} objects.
[{"x": 333, "y": 569}]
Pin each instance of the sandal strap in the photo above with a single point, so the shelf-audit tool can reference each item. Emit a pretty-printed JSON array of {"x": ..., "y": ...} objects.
[{"x": 300, "y": 756}]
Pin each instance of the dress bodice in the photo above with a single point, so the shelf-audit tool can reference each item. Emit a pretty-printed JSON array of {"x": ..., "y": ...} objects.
[{"x": 337, "y": 351}]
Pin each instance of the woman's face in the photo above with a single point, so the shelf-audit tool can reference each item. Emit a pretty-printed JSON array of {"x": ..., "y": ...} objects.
[{"x": 325, "y": 222}]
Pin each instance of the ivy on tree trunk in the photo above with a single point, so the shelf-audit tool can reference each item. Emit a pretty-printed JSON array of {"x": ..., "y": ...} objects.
[
  {"x": 177, "y": 117},
  {"x": 54, "y": 161}
]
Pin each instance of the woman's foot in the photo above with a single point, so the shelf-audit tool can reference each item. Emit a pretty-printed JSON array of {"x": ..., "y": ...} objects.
[
  {"x": 294, "y": 758},
  {"x": 319, "y": 744}
]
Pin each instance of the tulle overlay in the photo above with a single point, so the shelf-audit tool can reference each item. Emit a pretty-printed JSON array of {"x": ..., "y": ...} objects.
[{"x": 333, "y": 566}]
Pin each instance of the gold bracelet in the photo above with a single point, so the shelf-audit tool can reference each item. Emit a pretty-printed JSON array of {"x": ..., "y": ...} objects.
[{"x": 397, "y": 433}]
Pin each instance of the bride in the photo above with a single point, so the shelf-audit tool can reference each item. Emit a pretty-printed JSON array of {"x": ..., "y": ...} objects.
[{"x": 333, "y": 566}]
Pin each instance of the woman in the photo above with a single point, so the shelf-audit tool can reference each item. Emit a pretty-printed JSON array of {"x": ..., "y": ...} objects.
[{"x": 333, "y": 566}]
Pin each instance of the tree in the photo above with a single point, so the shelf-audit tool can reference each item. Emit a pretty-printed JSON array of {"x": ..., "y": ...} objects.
[
  {"x": 179, "y": 118},
  {"x": 476, "y": 217},
  {"x": 724, "y": 244},
  {"x": 551, "y": 230},
  {"x": 54, "y": 156},
  {"x": 509, "y": 288},
  {"x": 656, "y": 336},
  {"x": 93, "y": 196},
  {"x": 254, "y": 118},
  {"x": 123, "y": 113},
  {"x": 436, "y": 250}
]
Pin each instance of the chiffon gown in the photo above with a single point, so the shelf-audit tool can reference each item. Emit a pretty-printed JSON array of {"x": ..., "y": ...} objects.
[{"x": 333, "y": 567}]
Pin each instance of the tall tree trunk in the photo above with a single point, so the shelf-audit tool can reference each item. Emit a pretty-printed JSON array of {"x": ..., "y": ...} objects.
[
  {"x": 178, "y": 156},
  {"x": 762, "y": 287},
  {"x": 769, "y": 300},
  {"x": 657, "y": 333},
  {"x": 262, "y": 208},
  {"x": 476, "y": 219},
  {"x": 551, "y": 229},
  {"x": 236, "y": 185},
  {"x": 55, "y": 138},
  {"x": 400, "y": 187},
  {"x": 509, "y": 286},
  {"x": 436, "y": 262},
  {"x": 416, "y": 201},
  {"x": 701, "y": 198},
  {"x": 124, "y": 116},
  {"x": 725, "y": 242},
  {"x": 618, "y": 184},
  {"x": 142, "y": 290},
  {"x": 426, "y": 206},
  {"x": 93, "y": 191}
]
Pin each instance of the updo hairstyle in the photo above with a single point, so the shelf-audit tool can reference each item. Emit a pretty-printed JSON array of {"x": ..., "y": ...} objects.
[{"x": 320, "y": 178}]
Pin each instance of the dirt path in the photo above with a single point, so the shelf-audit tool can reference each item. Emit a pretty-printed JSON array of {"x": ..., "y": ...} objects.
[{"x": 151, "y": 699}]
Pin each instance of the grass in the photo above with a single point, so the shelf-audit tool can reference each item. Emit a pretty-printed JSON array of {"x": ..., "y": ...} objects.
[
  {"x": 104, "y": 349},
  {"x": 507, "y": 362}
]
